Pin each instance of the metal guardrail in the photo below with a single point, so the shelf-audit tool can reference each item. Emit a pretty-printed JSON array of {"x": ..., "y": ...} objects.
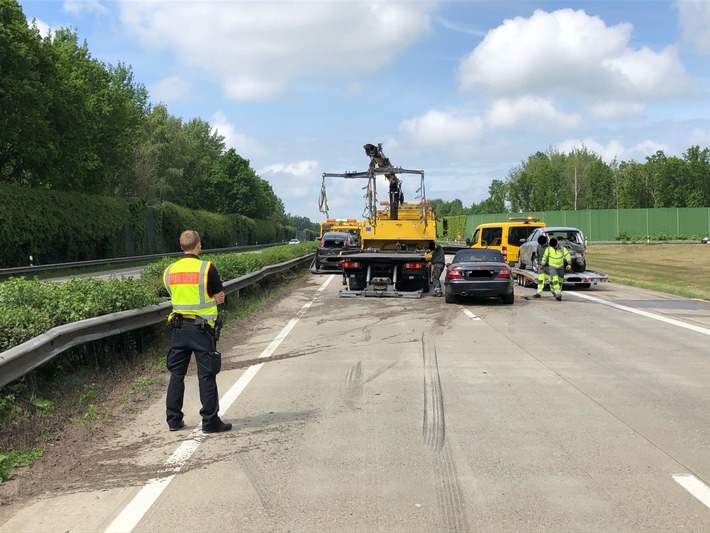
[
  {"x": 35, "y": 269},
  {"x": 22, "y": 359}
]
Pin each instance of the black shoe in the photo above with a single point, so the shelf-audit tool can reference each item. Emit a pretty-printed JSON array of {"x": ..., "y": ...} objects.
[
  {"x": 179, "y": 426},
  {"x": 217, "y": 428},
  {"x": 558, "y": 297},
  {"x": 537, "y": 295}
]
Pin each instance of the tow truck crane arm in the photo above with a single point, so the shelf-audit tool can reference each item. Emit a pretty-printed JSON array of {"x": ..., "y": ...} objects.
[{"x": 379, "y": 159}]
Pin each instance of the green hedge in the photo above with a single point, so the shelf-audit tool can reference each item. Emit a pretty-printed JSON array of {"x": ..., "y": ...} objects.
[
  {"x": 58, "y": 227},
  {"x": 54, "y": 226},
  {"x": 29, "y": 308}
]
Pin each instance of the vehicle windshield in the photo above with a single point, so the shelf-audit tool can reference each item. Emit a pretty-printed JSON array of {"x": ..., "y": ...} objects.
[
  {"x": 478, "y": 255},
  {"x": 333, "y": 243},
  {"x": 571, "y": 236}
]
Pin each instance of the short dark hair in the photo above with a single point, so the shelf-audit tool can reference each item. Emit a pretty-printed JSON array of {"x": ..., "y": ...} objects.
[
  {"x": 553, "y": 241},
  {"x": 189, "y": 239},
  {"x": 432, "y": 245}
]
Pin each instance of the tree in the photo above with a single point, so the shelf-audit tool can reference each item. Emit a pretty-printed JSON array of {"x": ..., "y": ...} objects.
[
  {"x": 159, "y": 158},
  {"x": 698, "y": 170},
  {"x": 24, "y": 98},
  {"x": 236, "y": 188},
  {"x": 204, "y": 148},
  {"x": 495, "y": 203}
]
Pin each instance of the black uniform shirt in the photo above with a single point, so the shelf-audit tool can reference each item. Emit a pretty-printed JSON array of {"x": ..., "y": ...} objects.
[
  {"x": 438, "y": 255},
  {"x": 214, "y": 283}
]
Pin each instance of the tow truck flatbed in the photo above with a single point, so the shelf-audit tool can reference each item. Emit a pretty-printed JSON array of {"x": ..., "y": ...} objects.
[{"x": 584, "y": 280}]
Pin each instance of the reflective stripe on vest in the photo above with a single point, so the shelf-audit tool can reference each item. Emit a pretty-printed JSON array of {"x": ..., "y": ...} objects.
[
  {"x": 555, "y": 258},
  {"x": 186, "y": 283}
]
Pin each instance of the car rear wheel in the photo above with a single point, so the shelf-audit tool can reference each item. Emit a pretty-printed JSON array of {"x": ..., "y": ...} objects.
[
  {"x": 535, "y": 264},
  {"x": 508, "y": 298},
  {"x": 450, "y": 298},
  {"x": 579, "y": 267}
]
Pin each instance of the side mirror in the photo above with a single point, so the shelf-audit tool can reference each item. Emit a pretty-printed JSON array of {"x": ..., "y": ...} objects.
[
  {"x": 446, "y": 227},
  {"x": 468, "y": 242}
]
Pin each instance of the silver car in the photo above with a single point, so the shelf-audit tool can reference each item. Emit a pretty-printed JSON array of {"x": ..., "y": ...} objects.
[{"x": 571, "y": 238}]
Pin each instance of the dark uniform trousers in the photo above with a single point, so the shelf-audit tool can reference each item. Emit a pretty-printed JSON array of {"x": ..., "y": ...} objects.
[
  {"x": 436, "y": 276},
  {"x": 184, "y": 341}
]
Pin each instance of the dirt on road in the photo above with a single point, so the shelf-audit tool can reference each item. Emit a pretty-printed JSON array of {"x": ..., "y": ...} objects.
[{"x": 75, "y": 439}]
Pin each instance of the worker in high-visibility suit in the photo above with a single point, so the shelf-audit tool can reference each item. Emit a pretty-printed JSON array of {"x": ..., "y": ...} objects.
[
  {"x": 556, "y": 260},
  {"x": 541, "y": 247}
]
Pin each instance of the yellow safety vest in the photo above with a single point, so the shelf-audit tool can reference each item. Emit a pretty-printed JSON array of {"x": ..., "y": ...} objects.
[
  {"x": 556, "y": 258},
  {"x": 186, "y": 282}
]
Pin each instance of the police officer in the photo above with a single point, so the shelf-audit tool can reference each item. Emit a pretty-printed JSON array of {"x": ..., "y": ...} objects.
[
  {"x": 541, "y": 247},
  {"x": 556, "y": 259},
  {"x": 195, "y": 291}
]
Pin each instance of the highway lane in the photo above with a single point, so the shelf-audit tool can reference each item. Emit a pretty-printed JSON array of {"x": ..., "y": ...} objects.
[{"x": 415, "y": 415}]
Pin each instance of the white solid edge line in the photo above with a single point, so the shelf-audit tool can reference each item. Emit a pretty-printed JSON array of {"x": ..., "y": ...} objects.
[
  {"x": 696, "y": 487},
  {"x": 469, "y": 314},
  {"x": 654, "y": 316},
  {"x": 136, "y": 509}
]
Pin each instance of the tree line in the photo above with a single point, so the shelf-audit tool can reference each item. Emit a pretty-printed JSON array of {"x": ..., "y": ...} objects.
[
  {"x": 72, "y": 123},
  {"x": 580, "y": 179}
]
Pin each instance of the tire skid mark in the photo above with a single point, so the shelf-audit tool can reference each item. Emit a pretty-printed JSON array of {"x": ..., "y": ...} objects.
[
  {"x": 251, "y": 470},
  {"x": 353, "y": 384},
  {"x": 434, "y": 425},
  {"x": 448, "y": 491}
]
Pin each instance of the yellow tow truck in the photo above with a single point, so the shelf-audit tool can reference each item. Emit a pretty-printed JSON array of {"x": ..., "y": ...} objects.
[{"x": 392, "y": 259}]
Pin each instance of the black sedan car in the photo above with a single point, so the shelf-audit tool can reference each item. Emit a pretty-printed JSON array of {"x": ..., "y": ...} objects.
[{"x": 478, "y": 272}]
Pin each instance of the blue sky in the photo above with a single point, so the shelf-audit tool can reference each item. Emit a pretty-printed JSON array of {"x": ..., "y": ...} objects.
[{"x": 464, "y": 90}]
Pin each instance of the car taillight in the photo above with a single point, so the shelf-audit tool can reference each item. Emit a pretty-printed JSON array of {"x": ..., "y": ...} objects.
[
  {"x": 454, "y": 273},
  {"x": 350, "y": 264},
  {"x": 504, "y": 251},
  {"x": 414, "y": 265},
  {"x": 504, "y": 272}
]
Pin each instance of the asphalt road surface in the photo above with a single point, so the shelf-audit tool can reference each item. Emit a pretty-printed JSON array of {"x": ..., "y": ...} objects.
[{"x": 366, "y": 414}]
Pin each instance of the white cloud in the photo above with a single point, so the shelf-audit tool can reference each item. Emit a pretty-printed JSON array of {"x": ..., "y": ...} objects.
[
  {"x": 301, "y": 168},
  {"x": 442, "y": 127},
  {"x": 618, "y": 109},
  {"x": 699, "y": 137},
  {"x": 295, "y": 183},
  {"x": 44, "y": 28},
  {"x": 257, "y": 49},
  {"x": 244, "y": 145},
  {"x": 694, "y": 22},
  {"x": 614, "y": 149},
  {"x": 570, "y": 53},
  {"x": 532, "y": 112},
  {"x": 171, "y": 89},
  {"x": 77, "y": 6},
  {"x": 457, "y": 27}
]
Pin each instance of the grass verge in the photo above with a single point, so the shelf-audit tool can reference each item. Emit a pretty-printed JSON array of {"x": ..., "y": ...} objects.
[{"x": 680, "y": 269}]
